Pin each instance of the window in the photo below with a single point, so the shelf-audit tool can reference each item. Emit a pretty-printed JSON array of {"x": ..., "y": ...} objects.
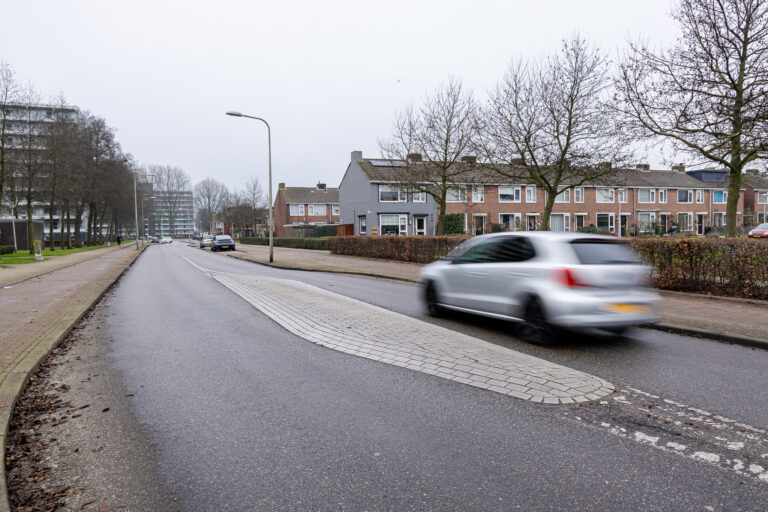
[
  {"x": 393, "y": 225},
  {"x": 456, "y": 195},
  {"x": 605, "y": 221},
  {"x": 719, "y": 196},
  {"x": 530, "y": 194},
  {"x": 604, "y": 195},
  {"x": 499, "y": 250},
  {"x": 699, "y": 196},
  {"x": 718, "y": 219},
  {"x": 762, "y": 197},
  {"x": 296, "y": 209},
  {"x": 419, "y": 197},
  {"x": 564, "y": 196},
  {"x": 316, "y": 209},
  {"x": 684, "y": 195},
  {"x": 578, "y": 195},
  {"x": 646, "y": 195},
  {"x": 560, "y": 222},
  {"x": 390, "y": 194},
  {"x": 511, "y": 221},
  {"x": 644, "y": 219},
  {"x": 622, "y": 195},
  {"x": 361, "y": 224},
  {"x": 684, "y": 222},
  {"x": 478, "y": 194},
  {"x": 662, "y": 195},
  {"x": 335, "y": 210},
  {"x": 509, "y": 194}
]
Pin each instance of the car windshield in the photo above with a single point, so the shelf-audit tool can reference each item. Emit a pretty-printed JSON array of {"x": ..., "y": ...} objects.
[
  {"x": 462, "y": 248},
  {"x": 764, "y": 225},
  {"x": 223, "y": 239},
  {"x": 596, "y": 251}
]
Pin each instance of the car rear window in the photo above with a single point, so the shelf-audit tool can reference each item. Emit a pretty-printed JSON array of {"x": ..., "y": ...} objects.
[{"x": 593, "y": 251}]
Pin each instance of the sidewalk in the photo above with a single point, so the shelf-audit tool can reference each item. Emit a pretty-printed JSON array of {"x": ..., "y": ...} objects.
[
  {"x": 728, "y": 319},
  {"x": 40, "y": 303}
]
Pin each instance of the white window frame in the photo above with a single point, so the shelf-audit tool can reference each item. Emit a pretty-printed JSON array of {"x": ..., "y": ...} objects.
[
  {"x": 699, "y": 196},
  {"x": 516, "y": 194},
  {"x": 564, "y": 196},
  {"x": 419, "y": 197},
  {"x": 566, "y": 221},
  {"x": 691, "y": 226},
  {"x": 516, "y": 217},
  {"x": 335, "y": 209},
  {"x": 762, "y": 197},
  {"x": 402, "y": 223},
  {"x": 295, "y": 210},
  {"x": 611, "y": 221},
  {"x": 689, "y": 195},
  {"x": 478, "y": 194},
  {"x": 362, "y": 224},
  {"x": 623, "y": 195},
  {"x": 530, "y": 194},
  {"x": 662, "y": 195},
  {"x": 314, "y": 209},
  {"x": 651, "y": 195},
  {"x": 577, "y": 216},
  {"x": 611, "y": 195},
  {"x": 578, "y": 194},
  {"x": 401, "y": 198},
  {"x": 643, "y": 228},
  {"x": 460, "y": 191},
  {"x": 725, "y": 196}
]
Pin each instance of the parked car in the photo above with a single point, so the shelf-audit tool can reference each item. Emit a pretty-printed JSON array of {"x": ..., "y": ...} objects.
[
  {"x": 759, "y": 231},
  {"x": 206, "y": 241},
  {"x": 222, "y": 243},
  {"x": 544, "y": 281},
  {"x": 166, "y": 240},
  {"x": 154, "y": 240}
]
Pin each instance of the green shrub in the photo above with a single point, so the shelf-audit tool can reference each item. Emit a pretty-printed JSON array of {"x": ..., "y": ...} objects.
[
  {"x": 416, "y": 249},
  {"x": 293, "y": 243},
  {"x": 325, "y": 230},
  {"x": 497, "y": 228},
  {"x": 454, "y": 224},
  {"x": 591, "y": 229},
  {"x": 7, "y": 249}
]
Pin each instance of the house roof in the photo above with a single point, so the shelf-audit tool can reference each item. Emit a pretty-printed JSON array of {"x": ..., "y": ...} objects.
[
  {"x": 757, "y": 182},
  {"x": 308, "y": 195},
  {"x": 388, "y": 171}
]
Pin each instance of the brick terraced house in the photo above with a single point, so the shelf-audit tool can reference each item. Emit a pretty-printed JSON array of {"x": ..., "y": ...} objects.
[
  {"x": 298, "y": 208},
  {"x": 629, "y": 201}
]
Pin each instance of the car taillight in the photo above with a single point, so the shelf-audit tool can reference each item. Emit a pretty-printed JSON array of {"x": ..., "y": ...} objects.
[{"x": 569, "y": 277}]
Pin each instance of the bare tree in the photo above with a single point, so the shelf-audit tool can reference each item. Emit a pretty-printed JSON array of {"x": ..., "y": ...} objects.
[
  {"x": 430, "y": 141},
  {"x": 9, "y": 95},
  {"x": 170, "y": 185},
  {"x": 548, "y": 123},
  {"x": 209, "y": 197},
  {"x": 708, "y": 93},
  {"x": 254, "y": 199}
]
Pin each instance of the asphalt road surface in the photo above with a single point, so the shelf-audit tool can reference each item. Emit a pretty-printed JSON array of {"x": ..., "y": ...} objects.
[{"x": 240, "y": 414}]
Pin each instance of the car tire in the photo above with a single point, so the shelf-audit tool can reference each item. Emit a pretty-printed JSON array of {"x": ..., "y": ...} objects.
[
  {"x": 619, "y": 332},
  {"x": 431, "y": 300},
  {"x": 535, "y": 328}
]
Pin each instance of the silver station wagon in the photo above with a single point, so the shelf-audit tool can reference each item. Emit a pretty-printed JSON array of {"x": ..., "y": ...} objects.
[{"x": 545, "y": 281}]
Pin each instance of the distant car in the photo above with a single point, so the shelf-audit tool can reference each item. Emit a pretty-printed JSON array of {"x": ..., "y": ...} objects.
[
  {"x": 544, "y": 281},
  {"x": 154, "y": 240},
  {"x": 222, "y": 243},
  {"x": 206, "y": 241},
  {"x": 166, "y": 240},
  {"x": 760, "y": 231}
]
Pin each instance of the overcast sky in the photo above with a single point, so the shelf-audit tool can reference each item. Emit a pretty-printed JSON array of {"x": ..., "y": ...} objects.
[{"x": 327, "y": 75}]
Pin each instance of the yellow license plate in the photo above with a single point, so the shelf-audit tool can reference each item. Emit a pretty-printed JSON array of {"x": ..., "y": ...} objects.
[{"x": 627, "y": 308}]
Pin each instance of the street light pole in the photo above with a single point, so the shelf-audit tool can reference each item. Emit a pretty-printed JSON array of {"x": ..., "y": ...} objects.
[
  {"x": 269, "y": 150},
  {"x": 136, "y": 206},
  {"x": 143, "y": 233}
]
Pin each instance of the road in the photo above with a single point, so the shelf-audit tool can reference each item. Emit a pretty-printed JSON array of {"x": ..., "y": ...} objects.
[{"x": 231, "y": 410}]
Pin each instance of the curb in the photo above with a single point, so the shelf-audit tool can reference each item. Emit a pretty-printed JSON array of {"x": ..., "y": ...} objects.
[
  {"x": 745, "y": 341},
  {"x": 15, "y": 383}
]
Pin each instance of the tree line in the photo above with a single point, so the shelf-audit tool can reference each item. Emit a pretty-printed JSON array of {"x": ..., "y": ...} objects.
[
  {"x": 574, "y": 117},
  {"x": 244, "y": 208}
]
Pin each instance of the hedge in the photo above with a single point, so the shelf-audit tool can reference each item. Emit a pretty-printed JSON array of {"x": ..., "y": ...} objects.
[
  {"x": 293, "y": 243},
  {"x": 7, "y": 249},
  {"x": 415, "y": 249}
]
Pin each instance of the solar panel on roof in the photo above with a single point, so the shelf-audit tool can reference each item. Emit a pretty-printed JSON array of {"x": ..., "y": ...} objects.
[{"x": 387, "y": 163}]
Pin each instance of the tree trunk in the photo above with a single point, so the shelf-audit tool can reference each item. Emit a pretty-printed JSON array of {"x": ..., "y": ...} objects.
[
  {"x": 78, "y": 225},
  {"x": 30, "y": 226},
  {"x": 69, "y": 234},
  {"x": 547, "y": 211}
]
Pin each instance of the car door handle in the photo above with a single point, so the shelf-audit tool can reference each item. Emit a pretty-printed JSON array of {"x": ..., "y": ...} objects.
[{"x": 517, "y": 274}]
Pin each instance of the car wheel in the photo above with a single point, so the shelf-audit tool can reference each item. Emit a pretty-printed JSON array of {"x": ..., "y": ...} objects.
[
  {"x": 535, "y": 328},
  {"x": 431, "y": 300},
  {"x": 618, "y": 331}
]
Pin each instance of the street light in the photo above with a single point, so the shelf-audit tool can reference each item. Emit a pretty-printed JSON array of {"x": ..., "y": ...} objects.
[
  {"x": 143, "y": 233},
  {"x": 269, "y": 149},
  {"x": 136, "y": 206}
]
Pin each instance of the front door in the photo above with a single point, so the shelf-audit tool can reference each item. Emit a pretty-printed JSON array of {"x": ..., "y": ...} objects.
[
  {"x": 478, "y": 222},
  {"x": 623, "y": 224},
  {"x": 699, "y": 224},
  {"x": 421, "y": 225},
  {"x": 531, "y": 222}
]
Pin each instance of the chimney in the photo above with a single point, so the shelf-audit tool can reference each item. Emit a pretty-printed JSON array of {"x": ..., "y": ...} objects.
[
  {"x": 643, "y": 167},
  {"x": 280, "y": 185},
  {"x": 356, "y": 155},
  {"x": 678, "y": 168},
  {"x": 320, "y": 186},
  {"x": 414, "y": 157},
  {"x": 469, "y": 160}
]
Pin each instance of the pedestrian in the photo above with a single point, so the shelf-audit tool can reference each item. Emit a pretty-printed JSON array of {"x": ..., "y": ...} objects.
[{"x": 119, "y": 239}]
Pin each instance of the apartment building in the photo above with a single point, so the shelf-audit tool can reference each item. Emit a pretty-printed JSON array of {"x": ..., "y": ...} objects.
[
  {"x": 184, "y": 219},
  {"x": 299, "y": 208}
]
